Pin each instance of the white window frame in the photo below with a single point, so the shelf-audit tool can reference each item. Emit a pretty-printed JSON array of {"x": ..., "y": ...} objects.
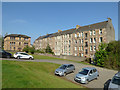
[
  {"x": 75, "y": 48},
  {"x": 94, "y": 48},
  {"x": 75, "y": 35},
  {"x": 90, "y": 48},
  {"x": 79, "y": 48},
  {"x": 94, "y": 40},
  {"x": 90, "y": 32},
  {"x": 100, "y": 31},
  {"x": 91, "y": 40},
  {"x": 100, "y": 39},
  {"x": 82, "y": 55},
  {"x": 82, "y": 48},
  {"x": 75, "y": 54},
  {"x": 79, "y": 35},
  {"x": 82, "y": 34},
  {"x": 94, "y": 32}
]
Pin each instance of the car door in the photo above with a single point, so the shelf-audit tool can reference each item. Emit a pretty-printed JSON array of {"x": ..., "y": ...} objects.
[
  {"x": 23, "y": 55},
  {"x": 94, "y": 73},
  {"x": 68, "y": 68},
  {"x": 90, "y": 75}
]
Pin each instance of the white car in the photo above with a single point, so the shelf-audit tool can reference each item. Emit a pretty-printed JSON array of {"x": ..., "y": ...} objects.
[{"x": 23, "y": 55}]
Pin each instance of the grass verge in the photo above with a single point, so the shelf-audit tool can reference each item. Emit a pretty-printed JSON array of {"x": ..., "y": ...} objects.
[{"x": 32, "y": 75}]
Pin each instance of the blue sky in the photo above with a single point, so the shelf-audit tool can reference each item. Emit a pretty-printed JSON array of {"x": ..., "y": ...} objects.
[{"x": 40, "y": 18}]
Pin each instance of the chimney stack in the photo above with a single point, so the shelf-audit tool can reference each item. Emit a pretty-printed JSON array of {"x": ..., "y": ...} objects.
[
  {"x": 59, "y": 31},
  {"x": 77, "y": 26},
  {"x": 109, "y": 19}
]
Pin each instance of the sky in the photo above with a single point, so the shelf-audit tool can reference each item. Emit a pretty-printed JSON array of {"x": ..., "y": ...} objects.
[{"x": 40, "y": 18}]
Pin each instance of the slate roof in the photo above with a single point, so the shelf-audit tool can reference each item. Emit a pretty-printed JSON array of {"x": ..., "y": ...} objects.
[
  {"x": 80, "y": 29},
  {"x": 17, "y": 35}
]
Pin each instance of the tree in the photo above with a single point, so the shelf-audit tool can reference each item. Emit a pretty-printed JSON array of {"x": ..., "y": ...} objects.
[
  {"x": 26, "y": 49},
  {"x": 32, "y": 49},
  {"x": 100, "y": 55},
  {"x": 48, "y": 49}
]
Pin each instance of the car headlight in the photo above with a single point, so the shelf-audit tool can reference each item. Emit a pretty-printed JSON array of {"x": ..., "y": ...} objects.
[{"x": 83, "y": 78}]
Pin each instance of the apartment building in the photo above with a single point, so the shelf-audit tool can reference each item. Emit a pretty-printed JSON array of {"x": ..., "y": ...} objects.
[
  {"x": 81, "y": 41},
  {"x": 16, "y": 42}
]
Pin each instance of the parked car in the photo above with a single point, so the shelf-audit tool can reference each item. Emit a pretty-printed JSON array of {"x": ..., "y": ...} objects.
[
  {"x": 23, "y": 55},
  {"x": 64, "y": 69},
  {"x": 4, "y": 54},
  {"x": 115, "y": 82},
  {"x": 86, "y": 74}
]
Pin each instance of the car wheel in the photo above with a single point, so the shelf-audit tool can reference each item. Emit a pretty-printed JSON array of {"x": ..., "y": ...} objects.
[
  {"x": 87, "y": 81},
  {"x": 8, "y": 56},
  {"x": 18, "y": 57},
  {"x": 64, "y": 74},
  {"x": 97, "y": 77},
  {"x": 73, "y": 71},
  {"x": 30, "y": 58}
]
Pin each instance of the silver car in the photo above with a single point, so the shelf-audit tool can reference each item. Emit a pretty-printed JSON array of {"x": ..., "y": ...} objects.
[
  {"x": 64, "y": 69},
  {"x": 115, "y": 82},
  {"x": 86, "y": 74}
]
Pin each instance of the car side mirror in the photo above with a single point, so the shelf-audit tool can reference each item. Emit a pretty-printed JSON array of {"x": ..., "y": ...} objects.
[
  {"x": 67, "y": 68},
  {"x": 90, "y": 74}
]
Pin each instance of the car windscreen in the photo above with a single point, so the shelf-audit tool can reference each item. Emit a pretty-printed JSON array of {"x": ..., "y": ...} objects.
[
  {"x": 84, "y": 71},
  {"x": 116, "y": 80},
  {"x": 63, "y": 67}
]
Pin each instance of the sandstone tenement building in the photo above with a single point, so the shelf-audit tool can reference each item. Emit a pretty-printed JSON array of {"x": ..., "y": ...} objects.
[
  {"x": 80, "y": 41},
  {"x": 16, "y": 42}
]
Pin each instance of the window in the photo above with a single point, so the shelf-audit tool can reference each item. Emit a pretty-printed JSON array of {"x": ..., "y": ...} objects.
[
  {"x": 100, "y": 31},
  {"x": 94, "y": 40},
  {"x": 90, "y": 40},
  {"x": 19, "y": 38},
  {"x": 94, "y": 70},
  {"x": 14, "y": 48},
  {"x": 82, "y": 34},
  {"x": 75, "y": 48},
  {"x": 82, "y": 54},
  {"x": 79, "y": 48},
  {"x": 25, "y": 43},
  {"x": 79, "y": 41},
  {"x": 85, "y": 36},
  {"x": 91, "y": 32},
  {"x": 10, "y": 43},
  {"x": 75, "y": 54},
  {"x": 86, "y": 51},
  {"x": 82, "y": 41},
  {"x": 86, "y": 44},
  {"x": 14, "y": 43},
  {"x": 75, "y": 41},
  {"x": 90, "y": 48},
  {"x": 94, "y": 32},
  {"x": 82, "y": 48},
  {"x": 100, "y": 39},
  {"x": 94, "y": 48},
  {"x": 75, "y": 35},
  {"x": 19, "y": 43},
  {"x": 79, "y": 35}
]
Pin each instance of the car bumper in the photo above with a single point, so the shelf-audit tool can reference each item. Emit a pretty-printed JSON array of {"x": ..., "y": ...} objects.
[
  {"x": 79, "y": 80},
  {"x": 60, "y": 74}
]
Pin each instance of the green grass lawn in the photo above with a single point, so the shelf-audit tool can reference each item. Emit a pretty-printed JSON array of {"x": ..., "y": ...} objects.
[{"x": 16, "y": 74}]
